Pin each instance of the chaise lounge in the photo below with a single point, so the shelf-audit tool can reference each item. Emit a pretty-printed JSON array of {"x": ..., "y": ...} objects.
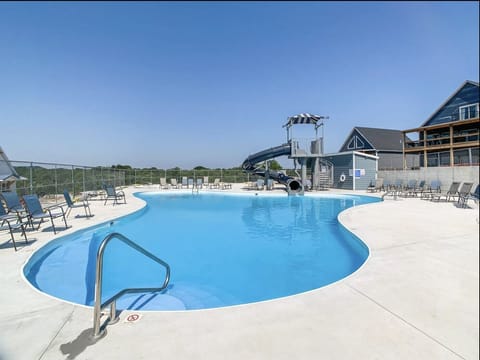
[
  {"x": 114, "y": 195},
  {"x": 11, "y": 223},
  {"x": 35, "y": 211},
  {"x": 72, "y": 205}
]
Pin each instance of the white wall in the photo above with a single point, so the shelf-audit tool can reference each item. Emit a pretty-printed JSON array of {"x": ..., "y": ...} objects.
[{"x": 446, "y": 175}]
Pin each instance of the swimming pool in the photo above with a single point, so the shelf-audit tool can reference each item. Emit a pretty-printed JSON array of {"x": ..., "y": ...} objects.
[{"x": 223, "y": 250}]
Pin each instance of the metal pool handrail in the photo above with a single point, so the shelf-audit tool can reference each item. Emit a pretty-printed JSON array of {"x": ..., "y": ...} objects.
[{"x": 97, "y": 332}]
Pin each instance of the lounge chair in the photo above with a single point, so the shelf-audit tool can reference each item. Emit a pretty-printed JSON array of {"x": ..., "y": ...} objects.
[
  {"x": 387, "y": 184},
  {"x": 398, "y": 186},
  {"x": 226, "y": 186},
  {"x": 72, "y": 205},
  {"x": 464, "y": 190},
  {"x": 451, "y": 192},
  {"x": 35, "y": 211},
  {"x": 114, "y": 195},
  {"x": 199, "y": 183},
  {"x": 377, "y": 185},
  {"x": 173, "y": 183},
  {"x": 269, "y": 184},
  {"x": 12, "y": 202},
  {"x": 190, "y": 183},
  {"x": 371, "y": 186},
  {"x": 215, "y": 184},
  {"x": 205, "y": 182},
  {"x": 411, "y": 184},
  {"x": 434, "y": 188},
  {"x": 260, "y": 184},
  {"x": 475, "y": 196},
  {"x": 11, "y": 223},
  {"x": 419, "y": 189},
  {"x": 409, "y": 189},
  {"x": 184, "y": 182},
  {"x": 163, "y": 183}
]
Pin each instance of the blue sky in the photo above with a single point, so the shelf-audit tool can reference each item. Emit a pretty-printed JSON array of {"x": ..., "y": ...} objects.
[{"x": 168, "y": 84}]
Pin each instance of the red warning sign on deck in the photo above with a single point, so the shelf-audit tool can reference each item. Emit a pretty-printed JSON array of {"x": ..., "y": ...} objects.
[{"x": 132, "y": 318}]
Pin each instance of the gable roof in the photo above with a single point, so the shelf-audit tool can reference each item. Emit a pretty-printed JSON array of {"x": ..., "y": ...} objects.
[
  {"x": 440, "y": 108},
  {"x": 7, "y": 172},
  {"x": 379, "y": 139}
]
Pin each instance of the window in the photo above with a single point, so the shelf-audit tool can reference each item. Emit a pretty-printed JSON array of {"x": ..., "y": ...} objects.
[
  {"x": 351, "y": 144},
  {"x": 468, "y": 111},
  {"x": 359, "y": 143},
  {"x": 432, "y": 159},
  {"x": 355, "y": 143},
  {"x": 444, "y": 159},
  {"x": 461, "y": 157}
]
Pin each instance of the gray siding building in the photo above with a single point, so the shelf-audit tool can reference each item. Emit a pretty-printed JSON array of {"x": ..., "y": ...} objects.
[
  {"x": 352, "y": 170},
  {"x": 387, "y": 144}
]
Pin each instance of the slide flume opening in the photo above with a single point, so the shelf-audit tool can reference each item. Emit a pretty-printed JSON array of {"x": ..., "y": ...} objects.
[{"x": 294, "y": 186}]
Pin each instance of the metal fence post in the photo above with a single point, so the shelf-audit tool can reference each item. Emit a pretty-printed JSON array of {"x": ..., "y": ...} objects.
[
  {"x": 31, "y": 178},
  {"x": 83, "y": 180},
  {"x": 56, "y": 183},
  {"x": 73, "y": 180}
]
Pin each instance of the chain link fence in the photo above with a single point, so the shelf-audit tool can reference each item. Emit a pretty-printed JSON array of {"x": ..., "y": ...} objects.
[{"x": 51, "y": 179}]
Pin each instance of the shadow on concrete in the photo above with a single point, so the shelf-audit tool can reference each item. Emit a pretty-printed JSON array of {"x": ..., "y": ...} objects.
[{"x": 77, "y": 346}]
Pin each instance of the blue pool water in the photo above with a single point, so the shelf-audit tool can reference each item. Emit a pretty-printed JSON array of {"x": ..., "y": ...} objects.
[{"x": 222, "y": 249}]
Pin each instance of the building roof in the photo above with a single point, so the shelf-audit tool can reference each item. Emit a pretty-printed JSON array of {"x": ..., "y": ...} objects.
[
  {"x": 467, "y": 83},
  {"x": 7, "y": 172},
  {"x": 379, "y": 139}
]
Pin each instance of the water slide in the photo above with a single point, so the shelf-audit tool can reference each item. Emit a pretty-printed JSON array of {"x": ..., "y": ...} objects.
[{"x": 294, "y": 186}]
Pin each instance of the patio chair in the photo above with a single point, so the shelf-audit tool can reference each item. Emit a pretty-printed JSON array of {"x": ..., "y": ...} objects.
[
  {"x": 173, "y": 183},
  {"x": 475, "y": 196},
  {"x": 307, "y": 185},
  {"x": 163, "y": 183},
  {"x": 411, "y": 184},
  {"x": 114, "y": 195},
  {"x": 434, "y": 187},
  {"x": 12, "y": 202},
  {"x": 409, "y": 189},
  {"x": 226, "y": 186},
  {"x": 398, "y": 186},
  {"x": 199, "y": 183},
  {"x": 260, "y": 184},
  {"x": 451, "y": 192},
  {"x": 376, "y": 185},
  {"x": 371, "y": 186},
  {"x": 205, "y": 182},
  {"x": 35, "y": 211},
  {"x": 11, "y": 223},
  {"x": 190, "y": 183},
  {"x": 72, "y": 205},
  {"x": 419, "y": 189},
  {"x": 464, "y": 190},
  {"x": 270, "y": 184},
  {"x": 387, "y": 184},
  {"x": 215, "y": 184},
  {"x": 184, "y": 182}
]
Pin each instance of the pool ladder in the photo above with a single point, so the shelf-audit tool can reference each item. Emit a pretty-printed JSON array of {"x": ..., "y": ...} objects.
[{"x": 98, "y": 331}]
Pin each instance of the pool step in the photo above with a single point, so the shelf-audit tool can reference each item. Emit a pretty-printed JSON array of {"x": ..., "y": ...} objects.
[
  {"x": 150, "y": 301},
  {"x": 178, "y": 296},
  {"x": 199, "y": 297}
]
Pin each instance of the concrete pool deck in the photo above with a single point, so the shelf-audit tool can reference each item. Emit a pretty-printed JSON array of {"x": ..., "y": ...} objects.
[{"x": 416, "y": 297}]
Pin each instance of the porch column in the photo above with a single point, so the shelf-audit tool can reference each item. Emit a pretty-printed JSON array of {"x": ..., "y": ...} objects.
[{"x": 451, "y": 145}]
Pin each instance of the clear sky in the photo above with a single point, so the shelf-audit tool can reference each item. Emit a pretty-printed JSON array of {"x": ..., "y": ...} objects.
[{"x": 168, "y": 84}]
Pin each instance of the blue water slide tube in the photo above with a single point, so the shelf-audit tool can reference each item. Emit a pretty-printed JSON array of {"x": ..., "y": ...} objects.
[{"x": 293, "y": 185}]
